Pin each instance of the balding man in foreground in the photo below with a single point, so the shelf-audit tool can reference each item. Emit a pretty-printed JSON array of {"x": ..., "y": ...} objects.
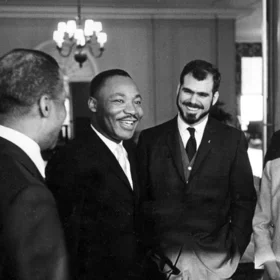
[{"x": 32, "y": 111}]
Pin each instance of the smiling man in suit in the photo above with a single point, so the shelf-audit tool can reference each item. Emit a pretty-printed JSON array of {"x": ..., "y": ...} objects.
[
  {"x": 94, "y": 181},
  {"x": 200, "y": 196},
  {"x": 32, "y": 111}
]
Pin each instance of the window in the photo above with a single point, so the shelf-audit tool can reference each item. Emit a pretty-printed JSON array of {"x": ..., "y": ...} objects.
[{"x": 251, "y": 109}]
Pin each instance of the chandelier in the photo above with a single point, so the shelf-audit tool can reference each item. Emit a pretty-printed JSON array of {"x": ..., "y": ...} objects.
[{"x": 75, "y": 35}]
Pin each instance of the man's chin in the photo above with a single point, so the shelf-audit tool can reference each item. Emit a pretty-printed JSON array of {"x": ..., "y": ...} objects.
[
  {"x": 53, "y": 143},
  {"x": 128, "y": 135},
  {"x": 191, "y": 119},
  {"x": 124, "y": 135}
]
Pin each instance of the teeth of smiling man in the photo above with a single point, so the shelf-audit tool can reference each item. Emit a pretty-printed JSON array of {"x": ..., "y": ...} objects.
[
  {"x": 128, "y": 122},
  {"x": 192, "y": 109}
]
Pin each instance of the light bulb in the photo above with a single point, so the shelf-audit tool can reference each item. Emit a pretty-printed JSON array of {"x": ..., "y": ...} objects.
[
  {"x": 79, "y": 36},
  {"x": 58, "y": 37},
  {"x": 71, "y": 28},
  {"x": 101, "y": 38},
  {"x": 89, "y": 27},
  {"x": 97, "y": 26},
  {"x": 62, "y": 26}
]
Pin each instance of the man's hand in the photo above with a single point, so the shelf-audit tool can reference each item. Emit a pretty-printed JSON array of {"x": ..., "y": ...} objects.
[{"x": 273, "y": 270}]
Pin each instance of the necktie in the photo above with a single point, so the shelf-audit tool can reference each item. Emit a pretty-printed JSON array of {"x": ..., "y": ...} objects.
[
  {"x": 121, "y": 156},
  {"x": 191, "y": 145}
]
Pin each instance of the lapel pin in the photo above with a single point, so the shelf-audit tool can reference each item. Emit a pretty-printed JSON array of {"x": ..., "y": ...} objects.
[{"x": 209, "y": 141}]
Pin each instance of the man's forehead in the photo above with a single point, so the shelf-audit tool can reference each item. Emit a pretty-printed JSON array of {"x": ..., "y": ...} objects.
[
  {"x": 118, "y": 80},
  {"x": 119, "y": 84},
  {"x": 196, "y": 85}
]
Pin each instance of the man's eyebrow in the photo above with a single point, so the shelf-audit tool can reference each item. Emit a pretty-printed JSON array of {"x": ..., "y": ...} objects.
[
  {"x": 203, "y": 93},
  {"x": 187, "y": 89},
  {"x": 198, "y": 92},
  {"x": 118, "y": 94}
]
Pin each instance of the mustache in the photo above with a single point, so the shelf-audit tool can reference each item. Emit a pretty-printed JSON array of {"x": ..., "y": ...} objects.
[
  {"x": 193, "y": 105},
  {"x": 130, "y": 118}
]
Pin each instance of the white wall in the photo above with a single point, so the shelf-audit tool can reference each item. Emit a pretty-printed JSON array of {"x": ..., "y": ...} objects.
[{"x": 152, "y": 50}]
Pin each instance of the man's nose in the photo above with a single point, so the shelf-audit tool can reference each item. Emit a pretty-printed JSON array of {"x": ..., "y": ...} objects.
[
  {"x": 130, "y": 108},
  {"x": 193, "y": 98}
]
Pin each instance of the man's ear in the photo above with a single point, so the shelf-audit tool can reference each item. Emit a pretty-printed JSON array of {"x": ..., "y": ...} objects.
[
  {"x": 215, "y": 97},
  {"x": 92, "y": 104},
  {"x": 45, "y": 105}
]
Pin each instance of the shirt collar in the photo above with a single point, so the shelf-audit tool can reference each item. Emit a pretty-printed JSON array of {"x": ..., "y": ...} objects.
[
  {"x": 109, "y": 143},
  {"x": 199, "y": 128},
  {"x": 28, "y": 145}
]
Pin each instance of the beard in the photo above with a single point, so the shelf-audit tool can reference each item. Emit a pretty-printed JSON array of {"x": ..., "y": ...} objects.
[{"x": 190, "y": 118}]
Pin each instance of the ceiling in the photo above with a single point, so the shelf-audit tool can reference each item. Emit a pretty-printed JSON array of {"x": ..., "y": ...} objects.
[
  {"x": 139, "y": 3},
  {"x": 248, "y": 23}
]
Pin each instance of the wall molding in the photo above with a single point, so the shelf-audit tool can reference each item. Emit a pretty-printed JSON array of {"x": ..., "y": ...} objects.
[{"x": 121, "y": 13}]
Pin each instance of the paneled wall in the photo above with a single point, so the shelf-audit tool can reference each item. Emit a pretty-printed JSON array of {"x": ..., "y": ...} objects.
[{"x": 152, "y": 50}]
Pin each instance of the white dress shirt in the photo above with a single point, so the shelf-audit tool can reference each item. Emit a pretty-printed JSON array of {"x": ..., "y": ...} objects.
[
  {"x": 113, "y": 147},
  {"x": 184, "y": 133},
  {"x": 28, "y": 145}
]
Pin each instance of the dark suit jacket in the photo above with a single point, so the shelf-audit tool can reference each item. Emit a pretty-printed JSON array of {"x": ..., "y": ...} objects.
[
  {"x": 31, "y": 237},
  {"x": 98, "y": 208},
  {"x": 214, "y": 209}
]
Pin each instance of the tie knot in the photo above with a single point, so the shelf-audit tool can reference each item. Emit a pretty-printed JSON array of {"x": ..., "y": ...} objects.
[{"x": 191, "y": 131}]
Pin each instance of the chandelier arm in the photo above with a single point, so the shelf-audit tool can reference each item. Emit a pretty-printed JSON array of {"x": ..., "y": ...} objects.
[
  {"x": 93, "y": 42},
  {"x": 93, "y": 53},
  {"x": 69, "y": 50}
]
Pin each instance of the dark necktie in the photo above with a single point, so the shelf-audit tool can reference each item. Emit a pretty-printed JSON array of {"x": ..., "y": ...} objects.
[{"x": 191, "y": 145}]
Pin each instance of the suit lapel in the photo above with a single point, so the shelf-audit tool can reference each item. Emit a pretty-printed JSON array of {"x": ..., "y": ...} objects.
[
  {"x": 205, "y": 146},
  {"x": 19, "y": 155},
  {"x": 173, "y": 138},
  {"x": 106, "y": 156}
]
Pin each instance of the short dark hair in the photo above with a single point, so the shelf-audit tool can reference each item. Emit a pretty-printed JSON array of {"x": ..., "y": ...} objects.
[
  {"x": 99, "y": 80},
  {"x": 25, "y": 75},
  {"x": 200, "y": 69}
]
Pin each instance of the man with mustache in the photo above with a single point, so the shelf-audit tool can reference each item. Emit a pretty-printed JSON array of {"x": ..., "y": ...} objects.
[
  {"x": 200, "y": 196},
  {"x": 95, "y": 184}
]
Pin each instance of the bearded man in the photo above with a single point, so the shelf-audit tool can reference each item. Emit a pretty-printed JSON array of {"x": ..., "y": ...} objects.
[{"x": 200, "y": 196}]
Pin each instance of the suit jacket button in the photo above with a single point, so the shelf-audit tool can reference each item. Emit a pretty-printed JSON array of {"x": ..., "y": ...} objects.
[{"x": 189, "y": 168}]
